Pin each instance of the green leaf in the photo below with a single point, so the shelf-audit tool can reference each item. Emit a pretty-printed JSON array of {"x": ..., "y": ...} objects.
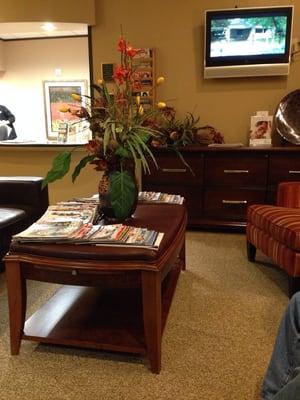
[
  {"x": 122, "y": 193},
  {"x": 182, "y": 159},
  {"x": 139, "y": 150},
  {"x": 146, "y": 148},
  {"x": 107, "y": 96},
  {"x": 60, "y": 167},
  {"x": 106, "y": 137},
  {"x": 122, "y": 152},
  {"x": 133, "y": 153},
  {"x": 82, "y": 163}
]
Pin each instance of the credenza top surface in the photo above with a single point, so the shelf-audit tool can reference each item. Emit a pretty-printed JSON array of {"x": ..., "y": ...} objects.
[{"x": 235, "y": 149}]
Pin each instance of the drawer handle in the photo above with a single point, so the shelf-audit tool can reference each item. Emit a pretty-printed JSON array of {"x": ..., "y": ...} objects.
[
  {"x": 234, "y": 201},
  {"x": 236, "y": 171},
  {"x": 294, "y": 172},
  {"x": 174, "y": 170}
]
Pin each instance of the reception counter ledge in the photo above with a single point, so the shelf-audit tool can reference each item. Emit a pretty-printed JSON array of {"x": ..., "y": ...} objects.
[{"x": 35, "y": 159}]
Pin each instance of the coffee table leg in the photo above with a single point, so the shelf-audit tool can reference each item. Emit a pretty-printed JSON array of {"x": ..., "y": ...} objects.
[
  {"x": 16, "y": 291},
  {"x": 151, "y": 288},
  {"x": 182, "y": 255}
]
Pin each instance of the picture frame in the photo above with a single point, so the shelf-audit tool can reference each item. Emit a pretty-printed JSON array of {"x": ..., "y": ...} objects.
[
  {"x": 57, "y": 94},
  {"x": 261, "y": 130}
]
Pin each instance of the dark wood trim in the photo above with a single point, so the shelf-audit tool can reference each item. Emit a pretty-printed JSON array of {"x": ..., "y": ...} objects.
[{"x": 90, "y": 52}]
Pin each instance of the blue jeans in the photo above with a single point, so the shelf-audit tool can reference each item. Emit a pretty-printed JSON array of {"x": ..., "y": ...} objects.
[{"x": 283, "y": 372}]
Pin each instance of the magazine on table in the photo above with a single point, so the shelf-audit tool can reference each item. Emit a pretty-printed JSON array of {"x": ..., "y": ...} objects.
[
  {"x": 93, "y": 199},
  {"x": 123, "y": 235},
  {"x": 67, "y": 213},
  {"x": 158, "y": 197},
  {"x": 50, "y": 232}
]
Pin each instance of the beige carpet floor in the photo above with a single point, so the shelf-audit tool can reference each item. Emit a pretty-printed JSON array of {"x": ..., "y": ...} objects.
[{"x": 216, "y": 345}]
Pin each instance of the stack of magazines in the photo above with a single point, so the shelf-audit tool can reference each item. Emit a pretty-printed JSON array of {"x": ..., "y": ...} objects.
[
  {"x": 60, "y": 222},
  {"x": 74, "y": 232},
  {"x": 70, "y": 211},
  {"x": 120, "y": 235},
  {"x": 71, "y": 222},
  {"x": 158, "y": 197}
]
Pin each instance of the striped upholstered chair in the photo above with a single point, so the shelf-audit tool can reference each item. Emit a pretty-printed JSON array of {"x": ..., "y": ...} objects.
[{"x": 275, "y": 230}]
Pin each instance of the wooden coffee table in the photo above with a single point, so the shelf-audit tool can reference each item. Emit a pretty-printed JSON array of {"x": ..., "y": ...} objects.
[{"x": 113, "y": 298}]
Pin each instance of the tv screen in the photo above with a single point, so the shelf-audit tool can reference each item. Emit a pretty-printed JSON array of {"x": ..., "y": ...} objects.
[{"x": 247, "y": 41}]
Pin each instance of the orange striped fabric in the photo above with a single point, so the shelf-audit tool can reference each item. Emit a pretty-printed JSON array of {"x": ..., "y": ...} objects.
[
  {"x": 280, "y": 223},
  {"x": 279, "y": 253},
  {"x": 288, "y": 194}
]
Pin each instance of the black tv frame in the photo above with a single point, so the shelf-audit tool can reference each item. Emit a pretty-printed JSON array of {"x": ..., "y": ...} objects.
[{"x": 263, "y": 61}]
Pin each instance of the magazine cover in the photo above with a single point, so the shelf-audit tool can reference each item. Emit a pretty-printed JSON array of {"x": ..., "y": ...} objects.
[
  {"x": 260, "y": 130},
  {"x": 48, "y": 231}
]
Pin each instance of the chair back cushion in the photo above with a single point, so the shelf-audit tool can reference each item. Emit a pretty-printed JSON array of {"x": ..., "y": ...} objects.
[{"x": 288, "y": 194}]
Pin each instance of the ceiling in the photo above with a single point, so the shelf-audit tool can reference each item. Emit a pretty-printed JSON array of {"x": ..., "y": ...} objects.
[{"x": 23, "y": 30}]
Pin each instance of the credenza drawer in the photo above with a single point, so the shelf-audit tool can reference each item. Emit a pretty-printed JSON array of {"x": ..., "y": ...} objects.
[
  {"x": 242, "y": 170},
  {"x": 230, "y": 203},
  {"x": 173, "y": 171},
  {"x": 284, "y": 167}
]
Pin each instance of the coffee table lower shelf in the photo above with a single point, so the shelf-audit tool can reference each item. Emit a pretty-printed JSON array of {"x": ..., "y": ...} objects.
[{"x": 89, "y": 317}]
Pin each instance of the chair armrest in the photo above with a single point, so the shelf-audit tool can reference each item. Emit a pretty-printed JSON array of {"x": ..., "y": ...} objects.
[{"x": 24, "y": 192}]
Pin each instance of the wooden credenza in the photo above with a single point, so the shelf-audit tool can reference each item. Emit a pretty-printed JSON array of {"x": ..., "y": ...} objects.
[{"x": 224, "y": 181}]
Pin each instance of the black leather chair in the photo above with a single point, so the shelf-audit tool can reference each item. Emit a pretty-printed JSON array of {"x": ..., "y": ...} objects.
[{"x": 22, "y": 202}]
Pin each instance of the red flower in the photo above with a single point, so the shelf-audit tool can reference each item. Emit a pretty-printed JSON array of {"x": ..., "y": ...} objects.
[
  {"x": 131, "y": 52},
  {"x": 122, "y": 45},
  {"x": 121, "y": 74}
]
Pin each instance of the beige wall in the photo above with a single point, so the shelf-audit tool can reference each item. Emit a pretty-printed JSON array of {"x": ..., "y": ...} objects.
[
  {"x": 37, "y": 161},
  {"x": 175, "y": 29},
  {"x": 82, "y": 11},
  {"x": 27, "y": 64}
]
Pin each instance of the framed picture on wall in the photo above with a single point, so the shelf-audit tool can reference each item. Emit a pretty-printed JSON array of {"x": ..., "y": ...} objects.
[{"x": 57, "y": 95}]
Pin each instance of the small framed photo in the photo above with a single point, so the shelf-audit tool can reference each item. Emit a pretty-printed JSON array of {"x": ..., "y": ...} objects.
[
  {"x": 261, "y": 130},
  {"x": 57, "y": 94}
]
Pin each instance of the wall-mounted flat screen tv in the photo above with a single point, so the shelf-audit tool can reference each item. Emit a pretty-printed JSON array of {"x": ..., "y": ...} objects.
[{"x": 247, "y": 42}]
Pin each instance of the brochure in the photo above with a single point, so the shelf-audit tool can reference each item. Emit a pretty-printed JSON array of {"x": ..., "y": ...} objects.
[{"x": 158, "y": 197}]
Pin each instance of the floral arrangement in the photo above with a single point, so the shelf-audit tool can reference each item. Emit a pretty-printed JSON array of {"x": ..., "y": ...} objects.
[
  {"x": 123, "y": 132},
  {"x": 121, "y": 135}
]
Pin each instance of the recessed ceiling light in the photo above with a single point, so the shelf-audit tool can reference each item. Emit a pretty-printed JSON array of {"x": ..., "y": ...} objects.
[{"x": 48, "y": 26}]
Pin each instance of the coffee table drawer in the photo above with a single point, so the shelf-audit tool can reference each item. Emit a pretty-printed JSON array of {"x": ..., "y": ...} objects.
[{"x": 79, "y": 276}]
